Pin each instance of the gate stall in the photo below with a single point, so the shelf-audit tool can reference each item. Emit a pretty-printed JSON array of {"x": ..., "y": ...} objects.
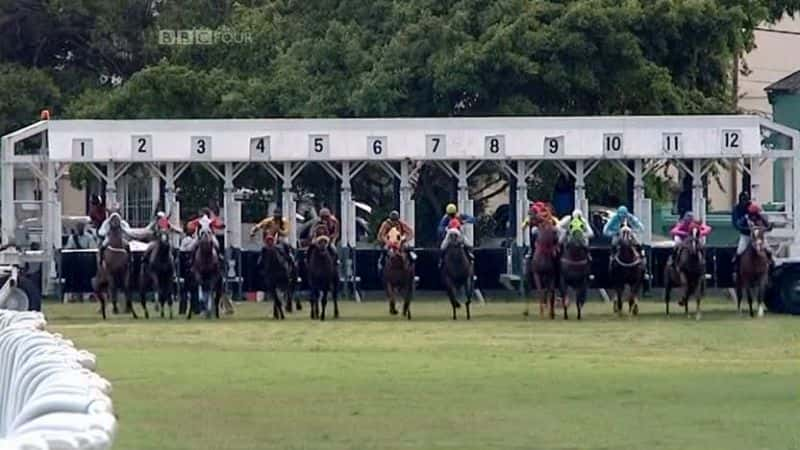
[{"x": 343, "y": 146}]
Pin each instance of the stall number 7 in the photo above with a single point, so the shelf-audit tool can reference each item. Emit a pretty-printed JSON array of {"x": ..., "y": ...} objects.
[
  {"x": 435, "y": 146},
  {"x": 732, "y": 141}
]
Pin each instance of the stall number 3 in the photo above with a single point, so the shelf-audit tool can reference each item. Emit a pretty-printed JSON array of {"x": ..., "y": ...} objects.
[{"x": 201, "y": 147}]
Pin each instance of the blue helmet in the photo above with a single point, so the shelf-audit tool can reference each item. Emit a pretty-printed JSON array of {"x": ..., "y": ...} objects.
[{"x": 622, "y": 211}]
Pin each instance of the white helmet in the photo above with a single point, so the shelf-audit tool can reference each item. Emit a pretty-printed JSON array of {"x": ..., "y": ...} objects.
[{"x": 577, "y": 214}]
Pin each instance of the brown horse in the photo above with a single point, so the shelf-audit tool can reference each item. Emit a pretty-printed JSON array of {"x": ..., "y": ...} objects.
[
  {"x": 753, "y": 271},
  {"x": 627, "y": 270},
  {"x": 543, "y": 270},
  {"x": 575, "y": 270},
  {"x": 323, "y": 278},
  {"x": 398, "y": 275},
  {"x": 158, "y": 273},
  {"x": 207, "y": 272},
  {"x": 688, "y": 271},
  {"x": 457, "y": 271},
  {"x": 112, "y": 272},
  {"x": 278, "y": 274}
]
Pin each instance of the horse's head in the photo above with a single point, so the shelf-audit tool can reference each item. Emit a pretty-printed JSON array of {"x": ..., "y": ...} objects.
[
  {"x": 757, "y": 238},
  {"x": 394, "y": 236},
  {"x": 626, "y": 236},
  {"x": 453, "y": 235},
  {"x": 269, "y": 240},
  {"x": 322, "y": 241},
  {"x": 576, "y": 237},
  {"x": 115, "y": 221}
]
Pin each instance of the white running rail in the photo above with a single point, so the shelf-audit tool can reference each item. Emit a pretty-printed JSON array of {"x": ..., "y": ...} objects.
[{"x": 50, "y": 396}]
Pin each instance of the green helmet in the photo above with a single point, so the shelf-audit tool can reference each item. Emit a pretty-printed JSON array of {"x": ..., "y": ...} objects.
[{"x": 451, "y": 209}]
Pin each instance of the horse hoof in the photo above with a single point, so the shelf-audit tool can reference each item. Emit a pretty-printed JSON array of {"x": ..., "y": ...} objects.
[{"x": 698, "y": 316}]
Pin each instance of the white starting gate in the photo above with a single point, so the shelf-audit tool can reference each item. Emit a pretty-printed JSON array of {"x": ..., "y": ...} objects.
[{"x": 283, "y": 147}]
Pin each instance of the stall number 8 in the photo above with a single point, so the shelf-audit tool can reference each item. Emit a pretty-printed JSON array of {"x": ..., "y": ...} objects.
[{"x": 494, "y": 145}]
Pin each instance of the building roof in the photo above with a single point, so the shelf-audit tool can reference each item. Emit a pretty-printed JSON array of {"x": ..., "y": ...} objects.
[{"x": 789, "y": 83}]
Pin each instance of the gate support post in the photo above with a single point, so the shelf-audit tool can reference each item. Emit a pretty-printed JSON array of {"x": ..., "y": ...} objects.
[{"x": 407, "y": 206}]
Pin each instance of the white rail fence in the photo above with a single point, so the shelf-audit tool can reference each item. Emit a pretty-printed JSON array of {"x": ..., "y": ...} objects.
[{"x": 50, "y": 396}]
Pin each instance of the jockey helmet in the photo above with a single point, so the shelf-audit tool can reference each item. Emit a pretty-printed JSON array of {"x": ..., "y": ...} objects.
[
  {"x": 688, "y": 216},
  {"x": 744, "y": 197},
  {"x": 394, "y": 215},
  {"x": 454, "y": 223},
  {"x": 622, "y": 211},
  {"x": 277, "y": 212},
  {"x": 577, "y": 214},
  {"x": 324, "y": 213},
  {"x": 451, "y": 209},
  {"x": 753, "y": 208},
  {"x": 161, "y": 215}
]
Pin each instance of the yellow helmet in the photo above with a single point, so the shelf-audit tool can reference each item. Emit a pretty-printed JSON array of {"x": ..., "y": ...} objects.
[{"x": 451, "y": 209}]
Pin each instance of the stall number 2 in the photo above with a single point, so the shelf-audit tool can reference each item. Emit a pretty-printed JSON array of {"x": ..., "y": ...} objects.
[
  {"x": 732, "y": 141},
  {"x": 142, "y": 146}
]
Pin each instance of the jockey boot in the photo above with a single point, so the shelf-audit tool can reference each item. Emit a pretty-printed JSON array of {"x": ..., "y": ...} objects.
[
  {"x": 334, "y": 254},
  {"x": 381, "y": 261},
  {"x": 735, "y": 262}
]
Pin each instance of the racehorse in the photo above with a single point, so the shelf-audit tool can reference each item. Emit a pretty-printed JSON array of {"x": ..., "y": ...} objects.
[
  {"x": 575, "y": 270},
  {"x": 323, "y": 278},
  {"x": 753, "y": 271},
  {"x": 278, "y": 274},
  {"x": 158, "y": 273},
  {"x": 688, "y": 271},
  {"x": 543, "y": 269},
  {"x": 398, "y": 274},
  {"x": 456, "y": 271},
  {"x": 112, "y": 273},
  {"x": 207, "y": 272},
  {"x": 627, "y": 270}
]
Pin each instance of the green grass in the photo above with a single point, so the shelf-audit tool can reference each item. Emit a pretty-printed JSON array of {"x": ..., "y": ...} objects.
[{"x": 370, "y": 381}]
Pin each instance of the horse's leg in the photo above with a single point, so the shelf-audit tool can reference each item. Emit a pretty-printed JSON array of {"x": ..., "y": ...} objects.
[
  {"x": 390, "y": 296},
  {"x": 467, "y": 304},
  {"x": 143, "y": 300},
  {"x": 739, "y": 295},
  {"x": 324, "y": 304},
  {"x": 407, "y": 300},
  {"x": 276, "y": 302},
  {"x": 451, "y": 294},
  {"x": 762, "y": 287},
  {"x": 112, "y": 289},
  {"x": 335, "y": 294},
  {"x": 102, "y": 298},
  {"x": 552, "y": 300},
  {"x": 667, "y": 291},
  {"x": 698, "y": 293},
  {"x": 750, "y": 299}
]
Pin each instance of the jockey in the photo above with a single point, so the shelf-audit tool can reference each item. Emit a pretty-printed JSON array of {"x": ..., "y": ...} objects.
[
  {"x": 683, "y": 229},
  {"x": 326, "y": 225},
  {"x": 277, "y": 227},
  {"x": 207, "y": 218},
  {"x": 161, "y": 222},
  {"x": 740, "y": 211},
  {"x": 612, "y": 228},
  {"x": 406, "y": 234},
  {"x": 757, "y": 218},
  {"x": 574, "y": 221},
  {"x": 446, "y": 222},
  {"x": 105, "y": 227}
]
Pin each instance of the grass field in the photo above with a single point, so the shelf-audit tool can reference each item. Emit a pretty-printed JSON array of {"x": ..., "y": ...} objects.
[{"x": 370, "y": 381}]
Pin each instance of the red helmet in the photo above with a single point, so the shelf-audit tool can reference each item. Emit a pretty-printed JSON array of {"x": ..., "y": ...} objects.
[
  {"x": 753, "y": 208},
  {"x": 454, "y": 223}
]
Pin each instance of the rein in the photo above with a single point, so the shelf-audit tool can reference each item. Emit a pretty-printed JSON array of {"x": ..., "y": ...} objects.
[{"x": 635, "y": 262}]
